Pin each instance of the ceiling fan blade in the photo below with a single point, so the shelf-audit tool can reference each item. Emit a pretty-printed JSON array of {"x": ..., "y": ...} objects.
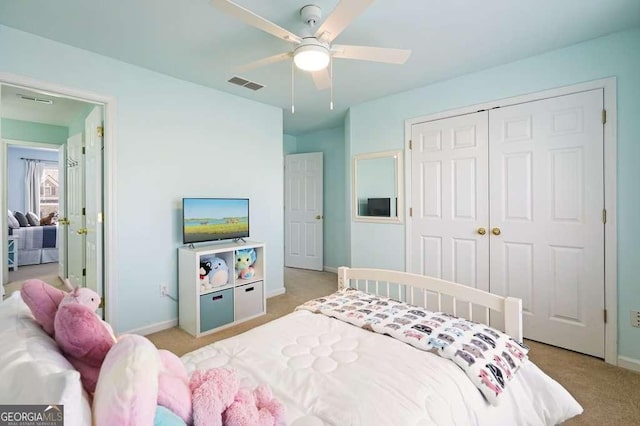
[
  {"x": 250, "y": 18},
  {"x": 264, "y": 61},
  {"x": 366, "y": 53},
  {"x": 345, "y": 12},
  {"x": 322, "y": 79}
]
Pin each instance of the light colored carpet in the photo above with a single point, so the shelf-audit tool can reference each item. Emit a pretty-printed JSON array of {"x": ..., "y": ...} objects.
[
  {"x": 47, "y": 272},
  {"x": 609, "y": 395}
]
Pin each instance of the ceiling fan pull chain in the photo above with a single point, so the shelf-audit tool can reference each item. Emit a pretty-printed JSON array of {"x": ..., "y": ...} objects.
[
  {"x": 293, "y": 107},
  {"x": 331, "y": 83}
]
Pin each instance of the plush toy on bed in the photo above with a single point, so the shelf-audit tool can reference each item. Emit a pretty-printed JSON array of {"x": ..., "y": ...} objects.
[
  {"x": 83, "y": 337},
  {"x": 71, "y": 320},
  {"x": 134, "y": 383},
  {"x": 48, "y": 220},
  {"x": 219, "y": 400},
  {"x": 244, "y": 263}
]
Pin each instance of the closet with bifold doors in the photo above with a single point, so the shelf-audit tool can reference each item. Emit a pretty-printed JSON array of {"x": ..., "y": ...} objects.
[{"x": 510, "y": 200}]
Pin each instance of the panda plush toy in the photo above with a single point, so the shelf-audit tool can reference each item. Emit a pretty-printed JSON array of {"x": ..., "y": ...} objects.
[{"x": 205, "y": 268}]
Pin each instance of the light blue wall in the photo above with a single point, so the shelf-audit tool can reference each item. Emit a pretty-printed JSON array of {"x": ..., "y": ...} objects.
[
  {"x": 331, "y": 143},
  {"x": 379, "y": 125},
  {"x": 33, "y": 132},
  {"x": 77, "y": 124},
  {"x": 172, "y": 139},
  {"x": 16, "y": 169},
  {"x": 289, "y": 144}
]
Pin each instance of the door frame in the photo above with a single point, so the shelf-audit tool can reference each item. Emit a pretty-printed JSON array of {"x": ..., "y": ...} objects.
[
  {"x": 108, "y": 182},
  {"x": 4, "y": 192},
  {"x": 609, "y": 86}
]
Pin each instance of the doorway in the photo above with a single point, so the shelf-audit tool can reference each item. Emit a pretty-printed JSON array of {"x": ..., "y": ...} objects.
[
  {"x": 303, "y": 211},
  {"x": 25, "y": 116}
]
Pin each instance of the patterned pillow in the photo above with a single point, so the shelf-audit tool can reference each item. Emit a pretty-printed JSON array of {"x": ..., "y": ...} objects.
[
  {"x": 21, "y": 218},
  {"x": 12, "y": 221},
  {"x": 33, "y": 219}
]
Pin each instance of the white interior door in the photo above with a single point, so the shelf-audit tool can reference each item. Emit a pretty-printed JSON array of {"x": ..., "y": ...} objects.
[
  {"x": 75, "y": 205},
  {"x": 93, "y": 200},
  {"x": 449, "y": 199},
  {"x": 546, "y": 163},
  {"x": 61, "y": 235},
  {"x": 303, "y": 213}
]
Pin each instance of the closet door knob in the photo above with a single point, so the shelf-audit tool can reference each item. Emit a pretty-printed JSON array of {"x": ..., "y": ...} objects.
[
  {"x": 482, "y": 231},
  {"x": 495, "y": 231}
]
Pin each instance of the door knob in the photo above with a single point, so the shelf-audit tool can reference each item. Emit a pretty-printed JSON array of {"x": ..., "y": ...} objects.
[
  {"x": 482, "y": 231},
  {"x": 82, "y": 231},
  {"x": 63, "y": 221},
  {"x": 319, "y": 217},
  {"x": 495, "y": 231}
]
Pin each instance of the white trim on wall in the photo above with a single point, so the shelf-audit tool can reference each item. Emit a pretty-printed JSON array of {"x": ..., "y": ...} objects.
[
  {"x": 109, "y": 185},
  {"x": 629, "y": 363},
  {"x": 610, "y": 184}
]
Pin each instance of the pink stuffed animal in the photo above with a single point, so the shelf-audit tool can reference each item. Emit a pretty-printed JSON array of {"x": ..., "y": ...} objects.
[
  {"x": 212, "y": 391},
  {"x": 43, "y": 300},
  {"x": 268, "y": 406},
  {"x": 217, "y": 400},
  {"x": 257, "y": 408},
  {"x": 173, "y": 386},
  {"x": 83, "y": 337}
]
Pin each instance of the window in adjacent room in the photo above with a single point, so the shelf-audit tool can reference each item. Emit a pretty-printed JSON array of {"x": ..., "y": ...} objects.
[{"x": 49, "y": 190}]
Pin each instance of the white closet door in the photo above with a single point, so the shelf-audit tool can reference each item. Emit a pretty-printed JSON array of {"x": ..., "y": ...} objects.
[
  {"x": 449, "y": 198},
  {"x": 546, "y": 192}
]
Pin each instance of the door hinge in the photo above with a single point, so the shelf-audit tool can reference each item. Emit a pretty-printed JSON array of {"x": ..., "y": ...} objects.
[
  {"x": 84, "y": 211},
  {"x": 604, "y": 215},
  {"x": 83, "y": 150},
  {"x": 410, "y": 144},
  {"x": 604, "y": 116},
  {"x": 605, "y": 316},
  {"x": 84, "y": 272},
  {"x": 100, "y": 131},
  {"x": 410, "y": 211}
]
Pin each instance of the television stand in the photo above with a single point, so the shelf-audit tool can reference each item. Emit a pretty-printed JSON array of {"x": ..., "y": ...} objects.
[
  {"x": 204, "y": 308},
  {"x": 238, "y": 240}
]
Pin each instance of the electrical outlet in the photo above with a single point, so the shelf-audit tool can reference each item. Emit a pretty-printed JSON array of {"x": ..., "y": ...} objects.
[
  {"x": 635, "y": 318},
  {"x": 163, "y": 290}
]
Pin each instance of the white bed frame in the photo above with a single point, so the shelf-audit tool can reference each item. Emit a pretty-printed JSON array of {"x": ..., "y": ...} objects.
[{"x": 425, "y": 291}]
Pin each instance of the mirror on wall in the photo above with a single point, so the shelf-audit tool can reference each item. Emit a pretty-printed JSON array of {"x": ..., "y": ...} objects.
[{"x": 377, "y": 187}]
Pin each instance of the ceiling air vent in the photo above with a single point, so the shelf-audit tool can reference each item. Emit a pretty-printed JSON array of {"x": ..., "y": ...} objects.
[{"x": 245, "y": 83}]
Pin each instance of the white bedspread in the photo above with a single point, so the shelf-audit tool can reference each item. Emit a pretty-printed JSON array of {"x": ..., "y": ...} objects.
[{"x": 328, "y": 372}]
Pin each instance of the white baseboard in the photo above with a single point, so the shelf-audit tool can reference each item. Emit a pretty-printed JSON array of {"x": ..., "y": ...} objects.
[
  {"x": 154, "y": 328},
  {"x": 629, "y": 363},
  {"x": 276, "y": 292},
  {"x": 330, "y": 269}
]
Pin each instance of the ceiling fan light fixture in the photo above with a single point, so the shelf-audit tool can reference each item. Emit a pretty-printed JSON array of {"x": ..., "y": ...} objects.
[{"x": 311, "y": 56}]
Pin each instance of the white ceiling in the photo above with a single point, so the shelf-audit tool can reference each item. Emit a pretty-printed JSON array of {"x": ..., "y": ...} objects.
[{"x": 194, "y": 41}]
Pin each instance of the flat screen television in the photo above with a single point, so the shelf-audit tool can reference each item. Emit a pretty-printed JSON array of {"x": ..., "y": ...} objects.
[
  {"x": 212, "y": 219},
  {"x": 379, "y": 207}
]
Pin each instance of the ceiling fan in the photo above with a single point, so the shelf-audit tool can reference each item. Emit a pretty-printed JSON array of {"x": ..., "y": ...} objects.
[{"x": 313, "y": 51}]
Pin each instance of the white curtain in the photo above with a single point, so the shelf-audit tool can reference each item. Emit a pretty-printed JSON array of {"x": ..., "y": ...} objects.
[{"x": 32, "y": 181}]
